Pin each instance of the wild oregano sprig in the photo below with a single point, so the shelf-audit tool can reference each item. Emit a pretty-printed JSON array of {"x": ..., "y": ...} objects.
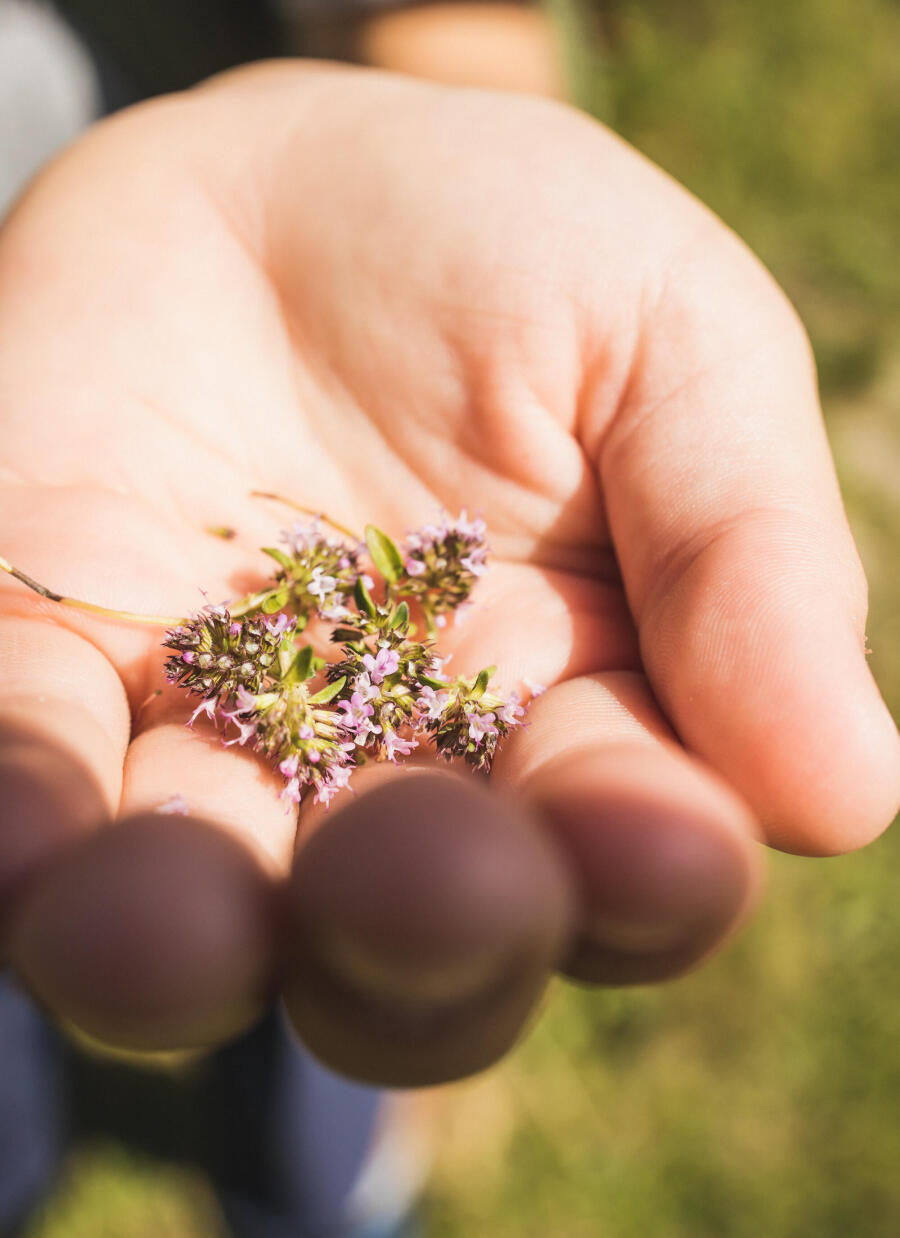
[{"x": 386, "y": 693}]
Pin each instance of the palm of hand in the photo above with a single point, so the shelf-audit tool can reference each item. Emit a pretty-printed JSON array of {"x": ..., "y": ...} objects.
[{"x": 375, "y": 335}]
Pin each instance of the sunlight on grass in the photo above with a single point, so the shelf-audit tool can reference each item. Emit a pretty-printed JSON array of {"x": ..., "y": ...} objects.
[{"x": 109, "y": 1193}]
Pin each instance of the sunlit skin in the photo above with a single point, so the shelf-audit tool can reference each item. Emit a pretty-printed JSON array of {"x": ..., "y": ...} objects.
[{"x": 381, "y": 298}]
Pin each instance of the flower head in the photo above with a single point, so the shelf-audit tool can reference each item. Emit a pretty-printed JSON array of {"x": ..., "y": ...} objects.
[
  {"x": 442, "y": 562},
  {"x": 215, "y": 655}
]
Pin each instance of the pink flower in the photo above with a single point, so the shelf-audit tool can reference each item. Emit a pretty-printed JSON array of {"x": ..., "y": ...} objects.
[
  {"x": 472, "y": 530},
  {"x": 174, "y": 806},
  {"x": 278, "y": 624},
  {"x": 246, "y": 730},
  {"x": 321, "y": 583},
  {"x": 395, "y": 745},
  {"x": 536, "y": 689},
  {"x": 303, "y": 537},
  {"x": 364, "y": 686},
  {"x": 292, "y": 792},
  {"x": 244, "y": 701},
  {"x": 385, "y": 662},
  {"x": 208, "y": 707},
  {"x": 336, "y": 612},
  {"x": 358, "y": 718},
  {"x": 339, "y": 775},
  {"x": 188, "y": 657},
  {"x": 473, "y": 564},
  {"x": 481, "y": 725},
  {"x": 338, "y": 778},
  {"x": 511, "y": 711},
  {"x": 431, "y": 704},
  {"x": 429, "y": 534},
  {"x": 288, "y": 766},
  {"x": 414, "y": 567}
]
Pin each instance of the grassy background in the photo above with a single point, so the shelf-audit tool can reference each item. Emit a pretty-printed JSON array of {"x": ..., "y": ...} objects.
[{"x": 759, "y": 1098}]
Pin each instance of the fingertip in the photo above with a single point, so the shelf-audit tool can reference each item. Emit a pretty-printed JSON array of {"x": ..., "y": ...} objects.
[
  {"x": 666, "y": 856},
  {"x": 426, "y": 917},
  {"x": 156, "y": 933},
  {"x": 758, "y": 659},
  {"x": 48, "y": 798}
]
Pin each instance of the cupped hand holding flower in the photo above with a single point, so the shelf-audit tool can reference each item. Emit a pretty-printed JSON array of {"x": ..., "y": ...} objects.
[{"x": 382, "y": 298}]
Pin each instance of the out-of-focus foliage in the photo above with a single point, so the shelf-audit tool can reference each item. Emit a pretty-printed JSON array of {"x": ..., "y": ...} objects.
[
  {"x": 785, "y": 119},
  {"x": 111, "y": 1193},
  {"x": 759, "y": 1098}
]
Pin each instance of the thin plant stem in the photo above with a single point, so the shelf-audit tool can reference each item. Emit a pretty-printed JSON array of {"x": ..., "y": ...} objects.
[
  {"x": 307, "y": 511},
  {"x": 127, "y": 616}
]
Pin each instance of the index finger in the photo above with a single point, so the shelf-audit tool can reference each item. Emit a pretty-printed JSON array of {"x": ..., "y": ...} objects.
[{"x": 737, "y": 557}]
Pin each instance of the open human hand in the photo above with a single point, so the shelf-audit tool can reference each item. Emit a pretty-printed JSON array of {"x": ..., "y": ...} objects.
[{"x": 381, "y": 298}]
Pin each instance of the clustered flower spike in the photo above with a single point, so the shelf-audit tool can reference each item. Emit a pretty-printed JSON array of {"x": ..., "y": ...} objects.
[
  {"x": 383, "y": 696},
  {"x": 316, "y": 573},
  {"x": 441, "y": 563}
]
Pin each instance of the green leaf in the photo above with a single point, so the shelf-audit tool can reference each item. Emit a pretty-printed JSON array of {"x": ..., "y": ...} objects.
[
  {"x": 279, "y": 556},
  {"x": 363, "y": 598},
  {"x": 349, "y": 636},
  {"x": 329, "y": 692},
  {"x": 400, "y": 617},
  {"x": 481, "y": 683},
  {"x": 385, "y": 554},
  {"x": 303, "y": 667},
  {"x": 275, "y": 601},
  {"x": 287, "y": 656}
]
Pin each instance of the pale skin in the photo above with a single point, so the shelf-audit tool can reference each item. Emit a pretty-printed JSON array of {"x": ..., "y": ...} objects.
[{"x": 380, "y": 298}]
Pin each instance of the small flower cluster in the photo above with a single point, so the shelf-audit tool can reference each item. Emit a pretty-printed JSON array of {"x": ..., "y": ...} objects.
[
  {"x": 316, "y": 574},
  {"x": 442, "y": 562},
  {"x": 386, "y": 694},
  {"x": 468, "y": 721},
  {"x": 216, "y": 655}
]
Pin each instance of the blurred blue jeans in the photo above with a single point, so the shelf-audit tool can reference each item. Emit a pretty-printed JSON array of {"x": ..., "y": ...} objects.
[{"x": 282, "y": 1138}]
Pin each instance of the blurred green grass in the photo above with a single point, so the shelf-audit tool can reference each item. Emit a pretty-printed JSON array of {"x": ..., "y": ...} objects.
[{"x": 759, "y": 1098}]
